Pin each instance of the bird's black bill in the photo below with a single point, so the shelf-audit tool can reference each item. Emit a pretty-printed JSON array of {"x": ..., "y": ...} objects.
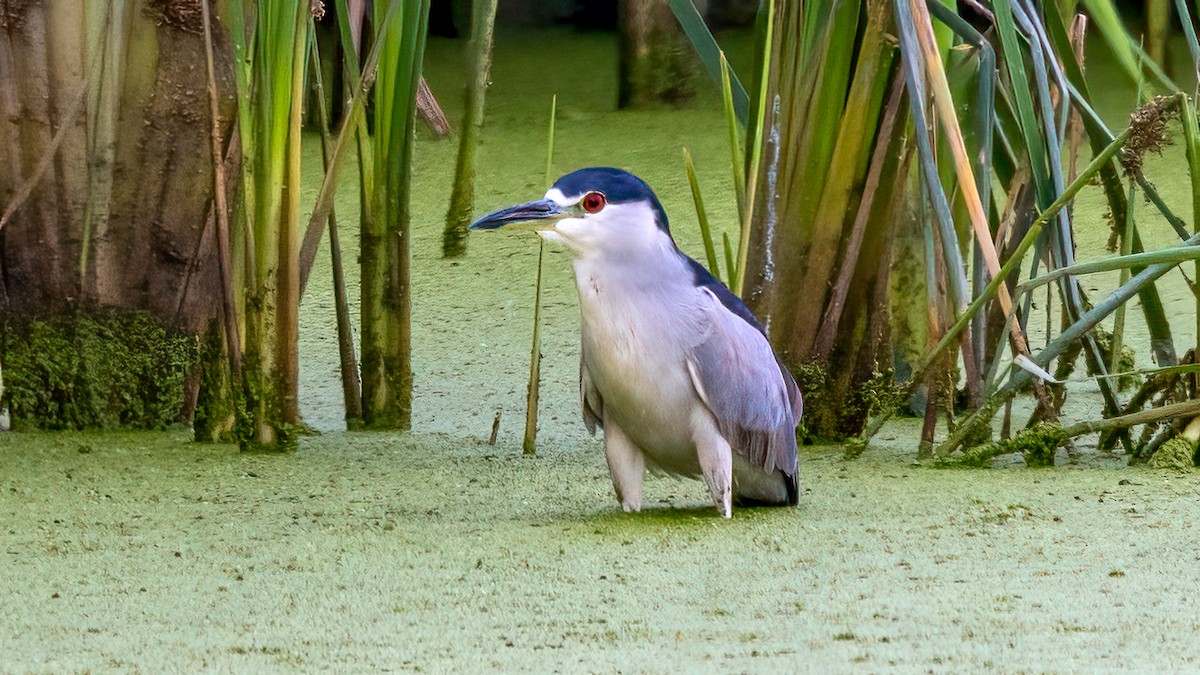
[{"x": 541, "y": 213}]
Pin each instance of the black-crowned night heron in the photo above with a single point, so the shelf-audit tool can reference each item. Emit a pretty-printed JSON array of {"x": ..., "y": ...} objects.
[{"x": 674, "y": 368}]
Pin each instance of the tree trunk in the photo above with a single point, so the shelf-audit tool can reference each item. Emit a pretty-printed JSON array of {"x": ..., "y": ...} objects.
[
  {"x": 118, "y": 218},
  {"x": 657, "y": 64}
]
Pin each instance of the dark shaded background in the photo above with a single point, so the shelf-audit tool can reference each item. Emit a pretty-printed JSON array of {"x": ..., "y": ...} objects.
[{"x": 449, "y": 18}]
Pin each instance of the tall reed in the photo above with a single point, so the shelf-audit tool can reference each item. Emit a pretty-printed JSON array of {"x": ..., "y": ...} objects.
[
  {"x": 534, "y": 388},
  {"x": 270, "y": 42},
  {"x": 819, "y": 217},
  {"x": 386, "y": 291},
  {"x": 462, "y": 196}
]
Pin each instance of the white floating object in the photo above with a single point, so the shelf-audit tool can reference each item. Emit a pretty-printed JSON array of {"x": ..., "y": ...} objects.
[{"x": 1034, "y": 369}]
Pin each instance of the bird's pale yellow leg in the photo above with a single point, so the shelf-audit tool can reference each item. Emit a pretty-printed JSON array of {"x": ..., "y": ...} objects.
[
  {"x": 626, "y": 466},
  {"x": 716, "y": 460}
]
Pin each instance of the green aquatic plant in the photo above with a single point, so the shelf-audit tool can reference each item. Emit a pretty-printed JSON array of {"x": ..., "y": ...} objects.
[
  {"x": 386, "y": 330},
  {"x": 105, "y": 370},
  {"x": 462, "y": 195},
  {"x": 1178, "y": 453},
  {"x": 828, "y": 128},
  {"x": 270, "y": 43},
  {"x": 1037, "y": 444}
]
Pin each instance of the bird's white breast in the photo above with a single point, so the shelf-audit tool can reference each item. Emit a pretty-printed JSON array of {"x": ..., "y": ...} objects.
[{"x": 636, "y": 329}]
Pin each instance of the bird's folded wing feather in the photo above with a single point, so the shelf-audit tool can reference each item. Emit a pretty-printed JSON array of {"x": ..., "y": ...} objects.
[
  {"x": 755, "y": 401},
  {"x": 589, "y": 398}
]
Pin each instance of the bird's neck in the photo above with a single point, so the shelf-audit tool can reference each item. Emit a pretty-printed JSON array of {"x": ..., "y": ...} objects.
[{"x": 625, "y": 290}]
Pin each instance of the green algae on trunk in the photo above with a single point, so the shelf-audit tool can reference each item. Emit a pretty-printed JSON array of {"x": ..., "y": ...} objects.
[
  {"x": 110, "y": 369},
  {"x": 218, "y": 401}
]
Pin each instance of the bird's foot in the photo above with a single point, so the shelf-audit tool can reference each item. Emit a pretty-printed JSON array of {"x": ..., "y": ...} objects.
[
  {"x": 722, "y": 494},
  {"x": 723, "y": 502}
]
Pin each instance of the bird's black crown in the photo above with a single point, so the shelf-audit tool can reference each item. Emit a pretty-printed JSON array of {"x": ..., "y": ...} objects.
[{"x": 618, "y": 187}]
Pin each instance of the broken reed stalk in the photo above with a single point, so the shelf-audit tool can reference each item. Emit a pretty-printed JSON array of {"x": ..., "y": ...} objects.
[
  {"x": 1118, "y": 331},
  {"x": 347, "y": 359},
  {"x": 233, "y": 338},
  {"x": 495, "y": 429},
  {"x": 1166, "y": 412},
  {"x": 533, "y": 390}
]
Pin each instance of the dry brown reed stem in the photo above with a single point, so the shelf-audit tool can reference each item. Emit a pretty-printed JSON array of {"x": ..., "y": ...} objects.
[{"x": 221, "y": 209}]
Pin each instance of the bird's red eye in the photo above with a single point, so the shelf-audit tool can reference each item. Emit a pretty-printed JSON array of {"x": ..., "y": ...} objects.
[{"x": 593, "y": 202}]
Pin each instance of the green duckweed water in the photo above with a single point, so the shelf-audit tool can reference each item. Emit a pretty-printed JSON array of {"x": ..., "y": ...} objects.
[{"x": 433, "y": 551}]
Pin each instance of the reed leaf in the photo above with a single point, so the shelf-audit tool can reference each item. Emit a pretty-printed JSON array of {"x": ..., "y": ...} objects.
[
  {"x": 927, "y": 161},
  {"x": 948, "y": 117},
  {"x": 737, "y": 154},
  {"x": 709, "y": 51},
  {"x": 1176, "y": 254},
  {"x": 1161, "y": 341},
  {"x": 1189, "y": 33},
  {"x": 1130, "y": 56},
  {"x": 710, "y": 252},
  {"x": 386, "y": 332},
  {"x": 1191, "y": 139},
  {"x": 354, "y": 122},
  {"x": 462, "y": 196},
  {"x": 755, "y": 128},
  {"x": 730, "y": 259}
]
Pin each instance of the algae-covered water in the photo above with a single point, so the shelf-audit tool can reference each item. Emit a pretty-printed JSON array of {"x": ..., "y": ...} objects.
[
  {"x": 141, "y": 552},
  {"x": 435, "y": 551}
]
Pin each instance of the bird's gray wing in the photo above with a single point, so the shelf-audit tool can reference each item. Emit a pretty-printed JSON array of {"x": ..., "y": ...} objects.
[
  {"x": 589, "y": 397},
  {"x": 754, "y": 399}
]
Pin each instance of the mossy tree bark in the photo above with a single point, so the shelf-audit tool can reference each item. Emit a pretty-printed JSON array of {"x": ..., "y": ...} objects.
[
  {"x": 657, "y": 63},
  {"x": 107, "y": 98}
]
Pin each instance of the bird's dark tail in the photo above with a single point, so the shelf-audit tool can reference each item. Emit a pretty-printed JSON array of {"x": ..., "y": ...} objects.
[
  {"x": 792, "y": 483},
  {"x": 750, "y": 497}
]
